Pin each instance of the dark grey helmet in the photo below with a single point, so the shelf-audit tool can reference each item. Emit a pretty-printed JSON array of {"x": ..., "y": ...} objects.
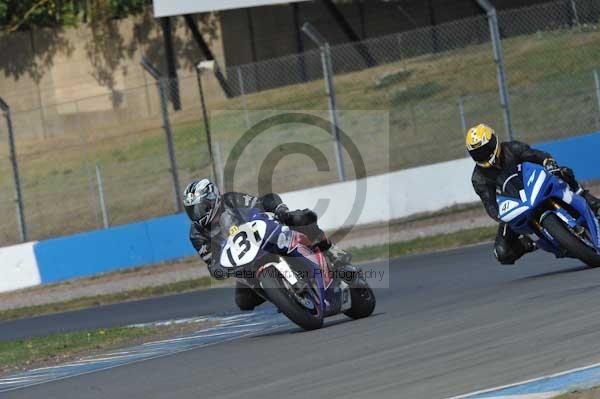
[{"x": 202, "y": 200}]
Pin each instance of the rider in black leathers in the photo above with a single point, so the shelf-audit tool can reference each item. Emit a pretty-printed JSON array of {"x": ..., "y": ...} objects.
[
  {"x": 206, "y": 208},
  {"x": 492, "y": 159}
]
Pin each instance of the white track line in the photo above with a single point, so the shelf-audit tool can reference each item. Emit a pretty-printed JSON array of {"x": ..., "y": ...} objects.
[{"x": 546, "y": 377}]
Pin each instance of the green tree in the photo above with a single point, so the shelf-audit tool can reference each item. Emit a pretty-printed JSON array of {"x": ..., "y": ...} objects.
[{"x": 24, "y": 14}]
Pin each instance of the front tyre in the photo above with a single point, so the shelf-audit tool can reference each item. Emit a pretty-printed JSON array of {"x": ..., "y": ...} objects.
[
  {"x": 569, "y": 241},
  {"x": 363, "y": 300},
  {"x": 288, "y": 302}
]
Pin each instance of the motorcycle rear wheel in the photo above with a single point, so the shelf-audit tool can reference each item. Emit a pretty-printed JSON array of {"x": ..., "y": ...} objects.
[{"x": 569, "y": 241}]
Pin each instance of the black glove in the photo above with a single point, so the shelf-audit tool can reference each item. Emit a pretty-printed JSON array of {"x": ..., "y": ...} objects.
[
  {"x": 551, "y": 165},
  {"x": 282, "y": 213},
  {"x": 568, "y": 176},
  {"x": 301, "y": 217},
  {"x": 305, "y": 222},
  {"x": 323, "y": 243}
]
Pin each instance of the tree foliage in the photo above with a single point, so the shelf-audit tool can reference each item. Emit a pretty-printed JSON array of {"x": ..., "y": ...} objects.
[
  {"x": 24, "y": 14},
  {"x": 32, "y": 33}
]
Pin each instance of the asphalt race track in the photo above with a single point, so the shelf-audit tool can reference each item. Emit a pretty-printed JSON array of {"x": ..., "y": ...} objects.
[
  {"x": 450, "y": 323},
  {"x": 145, "y": 311}
]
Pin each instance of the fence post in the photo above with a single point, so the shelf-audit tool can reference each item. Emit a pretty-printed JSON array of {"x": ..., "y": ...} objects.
[
  {"x": 200, "y": 69},
  {"x": 316, "y": 37},
  {"x": 597, "y": 83},
  {"x": 15, "y": 167},
  {"x": 328, "y": 71},
  {"x": 461, "y": 109},
  {"x": 164, "y": 107},
  {"x": 492, "y": 16},
  {"x": 401, "y": 50},
  {"x": 575, "y": 14},
  {"x": 101, "y": 197},
  {"x": 147, "y": 92},
  {"x": 413, "y": 118},
  {"x": 243, "y": 95},
  {"x": 219, "y": 164},
  {"x": 85, "y": 154}
]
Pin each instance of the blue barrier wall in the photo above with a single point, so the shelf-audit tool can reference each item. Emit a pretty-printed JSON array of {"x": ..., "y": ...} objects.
[
  {"x": 166, "y": 238},
  {"x": 582, "y": 153},
  {"x": 137, "y": 244}
]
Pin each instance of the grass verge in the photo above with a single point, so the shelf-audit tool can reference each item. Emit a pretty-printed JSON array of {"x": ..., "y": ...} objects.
[
  {"x": 593, "y": 393},
  {"x": 99, "y": 300},
  {"x": 392, "y": 250},
  {"x": 425, "y": 244},
  {"x": 62, "y": 347}
]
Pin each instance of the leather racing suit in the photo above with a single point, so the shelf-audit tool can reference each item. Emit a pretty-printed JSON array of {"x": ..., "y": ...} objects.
[
  {"x": 509, "y": 246},
  {"x": 207, "y": 240}
]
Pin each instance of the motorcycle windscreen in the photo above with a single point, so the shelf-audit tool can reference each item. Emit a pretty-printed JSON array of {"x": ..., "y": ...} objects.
[
  {"x": 511, "y": 182},
  {"x": 538, "y": 183},
  {"x": 512, "y": 201}
]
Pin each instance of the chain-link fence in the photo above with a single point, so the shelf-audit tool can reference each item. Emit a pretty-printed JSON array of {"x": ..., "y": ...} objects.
[
  {"x": 551, "y": 52},
  {"x": 432, "y": 82},
  {"x": 58, "y": 164},
  {"x": 436, "y": 81}
]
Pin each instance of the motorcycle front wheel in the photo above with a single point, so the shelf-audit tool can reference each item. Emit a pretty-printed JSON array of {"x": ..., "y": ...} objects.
[
  {"x": 301, "y": 308},
  {"x": 569, "y": 241}
]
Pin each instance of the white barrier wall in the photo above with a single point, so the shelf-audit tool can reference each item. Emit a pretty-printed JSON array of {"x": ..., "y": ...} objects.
[
  {"x": 386, "y": 197},
  {"x": 18, "y": 267},
  {"x": 391, "y": 196}
]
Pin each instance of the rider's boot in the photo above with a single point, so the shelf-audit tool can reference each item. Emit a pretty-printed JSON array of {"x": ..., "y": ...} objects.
[
  {"x": 337, "y": 257},
  {"x": 592, "y": 201},
  {"x": 340, "y": 265},
  {"x": 528, "y": 244},
  {"x": 338, "y": 260}
]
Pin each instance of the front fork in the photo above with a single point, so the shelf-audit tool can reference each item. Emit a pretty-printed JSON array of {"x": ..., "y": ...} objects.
[
  {"x": 573, "y": 224},
  {"x": 299, "y": 285},
  {"x": 546, "y": 241}
]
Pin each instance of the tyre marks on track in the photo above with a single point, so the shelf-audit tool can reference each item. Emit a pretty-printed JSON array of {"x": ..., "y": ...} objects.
[{"x": 228, "y": 328}]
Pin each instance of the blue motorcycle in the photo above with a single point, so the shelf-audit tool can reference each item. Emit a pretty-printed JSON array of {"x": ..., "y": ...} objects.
[
  {"x": 538, "y": 203},
  {"x": 281, "y": 266}
]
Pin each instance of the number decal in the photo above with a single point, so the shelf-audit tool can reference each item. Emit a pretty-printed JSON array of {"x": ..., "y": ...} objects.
[
  {"x": 230, "y": 257},
  {"x": 507, "y": 206},
  {"x": 243, "y": 236},
  {"x": 242, "y": 247}
]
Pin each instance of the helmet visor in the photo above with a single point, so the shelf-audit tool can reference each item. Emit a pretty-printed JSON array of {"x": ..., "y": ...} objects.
[
  {"x": 204, "y": 210},
  {"x": 486, "y": 152}
]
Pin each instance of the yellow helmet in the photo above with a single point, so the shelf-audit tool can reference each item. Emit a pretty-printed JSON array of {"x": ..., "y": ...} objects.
[{"x": 483, "y": 145}]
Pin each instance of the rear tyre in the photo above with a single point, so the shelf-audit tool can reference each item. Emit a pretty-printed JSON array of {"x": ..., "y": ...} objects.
[
  {"x": 569, "y": 241},
  {"x": 286, "y": 301}
]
